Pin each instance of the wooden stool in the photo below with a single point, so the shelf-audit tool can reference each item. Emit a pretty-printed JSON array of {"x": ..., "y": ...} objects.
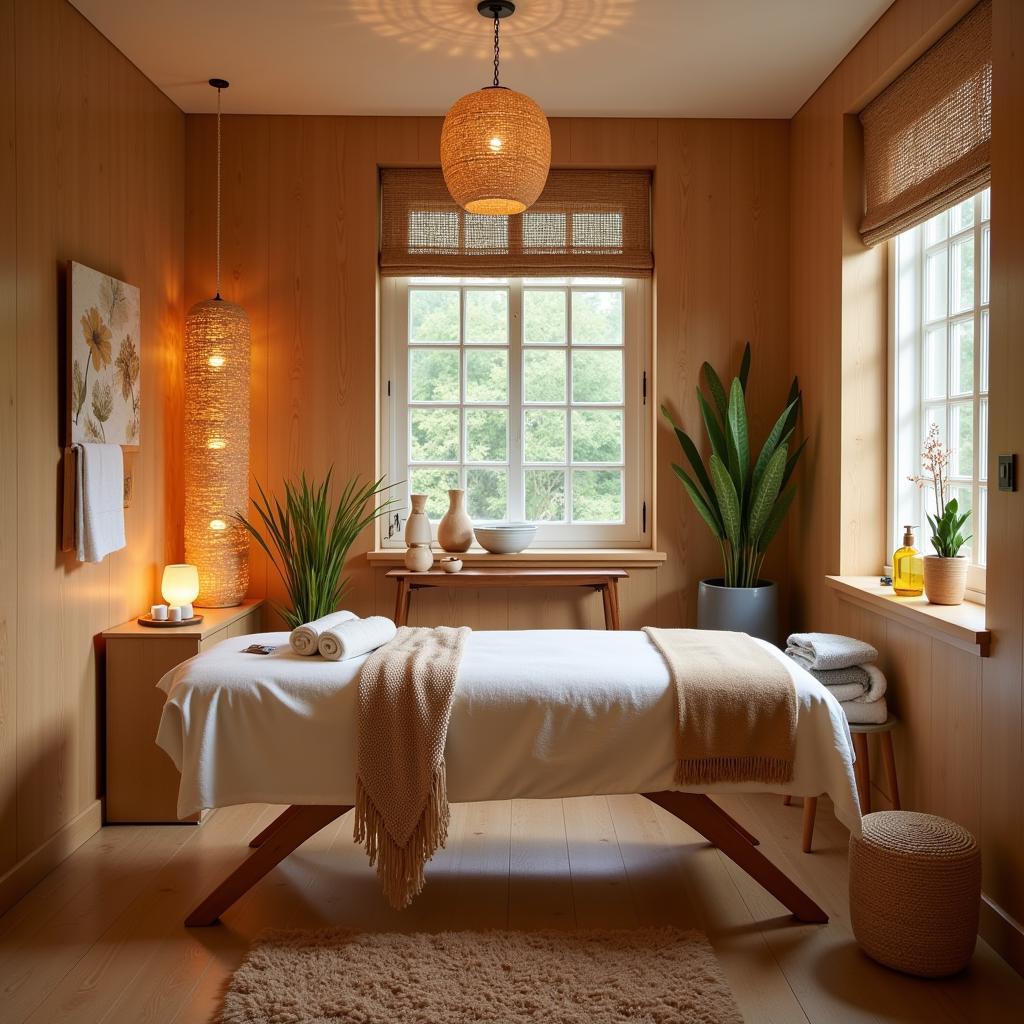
[{"x": 862, "y": 773}]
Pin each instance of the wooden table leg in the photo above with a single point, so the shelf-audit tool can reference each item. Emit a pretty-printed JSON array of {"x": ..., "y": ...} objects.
[
  {"x": 704, "y": 815},
  {"x": 402, "y": 603},
  {"x": 612, "y": 589},
  {"x": 862, "y": 771},
  {"x": 606, "y": 600},
  {"x": 889, "y": 763},
  {"x": 305, "y": 821},
  {"x": 810, "y": 809},
  {"x": 285, "y": 816}
]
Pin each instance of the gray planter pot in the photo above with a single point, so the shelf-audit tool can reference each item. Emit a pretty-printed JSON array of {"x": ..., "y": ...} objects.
[{"x": 753, "y": 610}]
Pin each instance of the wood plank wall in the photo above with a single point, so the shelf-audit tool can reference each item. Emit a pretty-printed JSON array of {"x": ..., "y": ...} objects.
[
  {"x": 300, "y": 208},
  {"x": 960, "y": 748},
  {"x": 92, "y": 169}
]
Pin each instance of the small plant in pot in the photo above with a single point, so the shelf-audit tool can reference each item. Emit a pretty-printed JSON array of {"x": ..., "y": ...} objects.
[
  {"x": 308, "y": 538},
  {"x": 743, "y": 505},
  {"x": 945, "y": 572}
]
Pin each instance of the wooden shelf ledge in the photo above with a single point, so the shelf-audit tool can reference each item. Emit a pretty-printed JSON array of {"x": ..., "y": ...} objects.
[
  {"x": 961, "y": 625},
  {"x": 618, "y": 558}
]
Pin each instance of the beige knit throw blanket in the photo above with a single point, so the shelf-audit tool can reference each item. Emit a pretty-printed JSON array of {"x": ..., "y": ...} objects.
[
  {"x": 406, "y": 690},
  {"x": 736, "y": 706}
]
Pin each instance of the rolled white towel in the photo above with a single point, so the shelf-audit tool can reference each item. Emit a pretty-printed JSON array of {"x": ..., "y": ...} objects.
[
  {"x": 350, "y": 639},
  {"x": 876, "y": 687},
  {"x": 305, "y": 639},
  {"x": 829, "y": 650},
  {"x": 859, "y": 713}
]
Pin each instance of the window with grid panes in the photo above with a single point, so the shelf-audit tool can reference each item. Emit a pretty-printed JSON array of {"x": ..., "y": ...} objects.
[
  {"x": 939, "y": 360},
  {"x": 528, "y": 393}
]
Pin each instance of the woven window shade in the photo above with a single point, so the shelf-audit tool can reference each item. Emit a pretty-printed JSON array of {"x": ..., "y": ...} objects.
[
  {"x": 585, "y": 222},
  {"x": 926, "y": 138}
]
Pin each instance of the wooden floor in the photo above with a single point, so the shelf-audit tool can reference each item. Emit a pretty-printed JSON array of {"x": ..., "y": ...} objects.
[{"x": 101, "y": 938}]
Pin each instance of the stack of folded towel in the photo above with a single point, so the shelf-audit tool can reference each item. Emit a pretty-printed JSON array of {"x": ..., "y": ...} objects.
[
  {"x": 846, "y": 666},
  {"x": 342, "y": 635}
]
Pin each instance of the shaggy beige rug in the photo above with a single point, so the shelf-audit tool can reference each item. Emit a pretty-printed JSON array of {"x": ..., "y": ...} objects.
[{"x": 650, "y": 976}]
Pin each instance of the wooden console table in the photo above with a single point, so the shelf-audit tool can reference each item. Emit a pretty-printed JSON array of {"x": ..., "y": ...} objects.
[{"x": 604, "y": 580}]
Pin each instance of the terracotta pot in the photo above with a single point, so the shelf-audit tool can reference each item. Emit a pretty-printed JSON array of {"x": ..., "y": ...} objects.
[
  {"x": 455, "y": 531},
  {"x": 945, "y": 579}
]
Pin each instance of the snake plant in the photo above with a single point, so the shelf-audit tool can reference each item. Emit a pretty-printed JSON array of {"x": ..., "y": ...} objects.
[
  {"x": 743, "y": 506},
  {"x": 311, "y": 536}
]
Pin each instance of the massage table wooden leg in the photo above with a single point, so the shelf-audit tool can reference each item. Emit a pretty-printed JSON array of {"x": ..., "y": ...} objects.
[
  {"x": 749, "y": 836},
  {"x": 287, "y": 814},
  {"x": 704, "y": 815},
  {"x": 302, "y": 822}
]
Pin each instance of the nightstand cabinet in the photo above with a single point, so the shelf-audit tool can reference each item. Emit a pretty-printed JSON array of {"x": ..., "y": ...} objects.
[{"x": 142, "y": 782}]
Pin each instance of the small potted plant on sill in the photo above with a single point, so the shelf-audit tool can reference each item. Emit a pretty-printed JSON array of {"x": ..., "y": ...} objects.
[
  {"x": 945, "y": 572},
  {"x": 308, "y": 538},
  {"x": 743, "y": 506}
]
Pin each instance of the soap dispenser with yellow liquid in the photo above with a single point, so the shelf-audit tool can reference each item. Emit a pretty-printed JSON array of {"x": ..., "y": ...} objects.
[{"x": 908, "y": 567}]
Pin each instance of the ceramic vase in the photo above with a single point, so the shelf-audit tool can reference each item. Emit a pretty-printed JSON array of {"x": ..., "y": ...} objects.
[
  {"x": 419, "y": 557},
  {"x": 417, "y": 526},
  {"x": 945, "y": 579},
  {"x": 418, "y": 535},
  {"x": 455, "y": 531}
]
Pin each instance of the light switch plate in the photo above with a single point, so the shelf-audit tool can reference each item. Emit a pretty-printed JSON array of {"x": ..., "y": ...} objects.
[{"x": 1007, "y": 472}]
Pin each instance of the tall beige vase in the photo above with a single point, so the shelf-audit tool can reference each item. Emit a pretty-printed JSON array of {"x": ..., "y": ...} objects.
[
  {"x": 455, "y": 531},
  {"x": 418, "y": 556},
  {"x": 945, "y": 579}
]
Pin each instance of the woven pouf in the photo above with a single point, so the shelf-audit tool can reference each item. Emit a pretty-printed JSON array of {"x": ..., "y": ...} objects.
[{"x": 915, "y": 892}]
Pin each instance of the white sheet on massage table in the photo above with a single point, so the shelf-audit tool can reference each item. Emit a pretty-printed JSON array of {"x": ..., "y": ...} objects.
[{"x": 537, "y": 713}]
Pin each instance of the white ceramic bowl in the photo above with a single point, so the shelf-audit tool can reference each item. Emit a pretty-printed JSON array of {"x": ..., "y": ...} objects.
[{"x": 505, "y": 538}]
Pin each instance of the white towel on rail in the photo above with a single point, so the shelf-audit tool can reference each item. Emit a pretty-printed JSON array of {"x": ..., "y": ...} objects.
[
  {"x": 305, "y": 639},
  {"x": 351, "y": 639},
  {"x": 99, "y": 501}
]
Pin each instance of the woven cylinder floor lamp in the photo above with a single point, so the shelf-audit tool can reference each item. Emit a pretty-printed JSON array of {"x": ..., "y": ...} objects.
[
  {"x": 495, "y": 142},
  {"x": 217, "y": 361}
]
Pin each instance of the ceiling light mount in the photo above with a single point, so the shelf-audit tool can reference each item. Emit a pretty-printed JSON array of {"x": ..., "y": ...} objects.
[
  {"x": 219, "y": 83},
  {"x": 496, "y": 8}
]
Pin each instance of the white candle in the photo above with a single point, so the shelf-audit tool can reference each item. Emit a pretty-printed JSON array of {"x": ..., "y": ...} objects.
[
  {"x": 174, "y": 614},
  {"x": 187, "y": 612},
  {"x": 158, "y": 612}
]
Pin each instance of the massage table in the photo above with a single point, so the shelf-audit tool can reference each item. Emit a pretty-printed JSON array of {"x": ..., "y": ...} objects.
[{"x": 536, "y": 714}]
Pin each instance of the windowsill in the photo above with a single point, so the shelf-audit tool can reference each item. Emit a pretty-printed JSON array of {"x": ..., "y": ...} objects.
[
  {"x": 548, "y": 558},
  {"x": 961, "y": 625}
]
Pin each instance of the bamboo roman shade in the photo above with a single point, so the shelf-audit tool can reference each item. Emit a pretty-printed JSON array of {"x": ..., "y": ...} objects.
[
  {"x": 585, "y": 222},
  {"x": 926, "y": 138}
]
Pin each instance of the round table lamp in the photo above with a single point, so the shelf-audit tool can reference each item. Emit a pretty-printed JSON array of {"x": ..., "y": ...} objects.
[{"x": 180, "y": 584}]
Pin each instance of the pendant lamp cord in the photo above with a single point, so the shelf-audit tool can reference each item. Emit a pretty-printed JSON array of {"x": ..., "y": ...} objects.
[
  {"x": 497, "y": 23},
  {"x": 218, "y": 192}
]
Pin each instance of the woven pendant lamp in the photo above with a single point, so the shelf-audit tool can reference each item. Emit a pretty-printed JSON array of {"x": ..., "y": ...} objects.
[
  {"x": 217, "y": 359},
  {"x": 495, "y": 142}
]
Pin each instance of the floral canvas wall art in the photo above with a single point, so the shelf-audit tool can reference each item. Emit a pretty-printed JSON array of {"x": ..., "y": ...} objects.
[{"x": 104, "y": 359}]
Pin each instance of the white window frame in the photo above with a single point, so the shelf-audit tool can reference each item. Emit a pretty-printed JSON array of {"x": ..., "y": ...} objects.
[
  {"x": 909, "y": 408},
  {"x": 635, "y": 529}
]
